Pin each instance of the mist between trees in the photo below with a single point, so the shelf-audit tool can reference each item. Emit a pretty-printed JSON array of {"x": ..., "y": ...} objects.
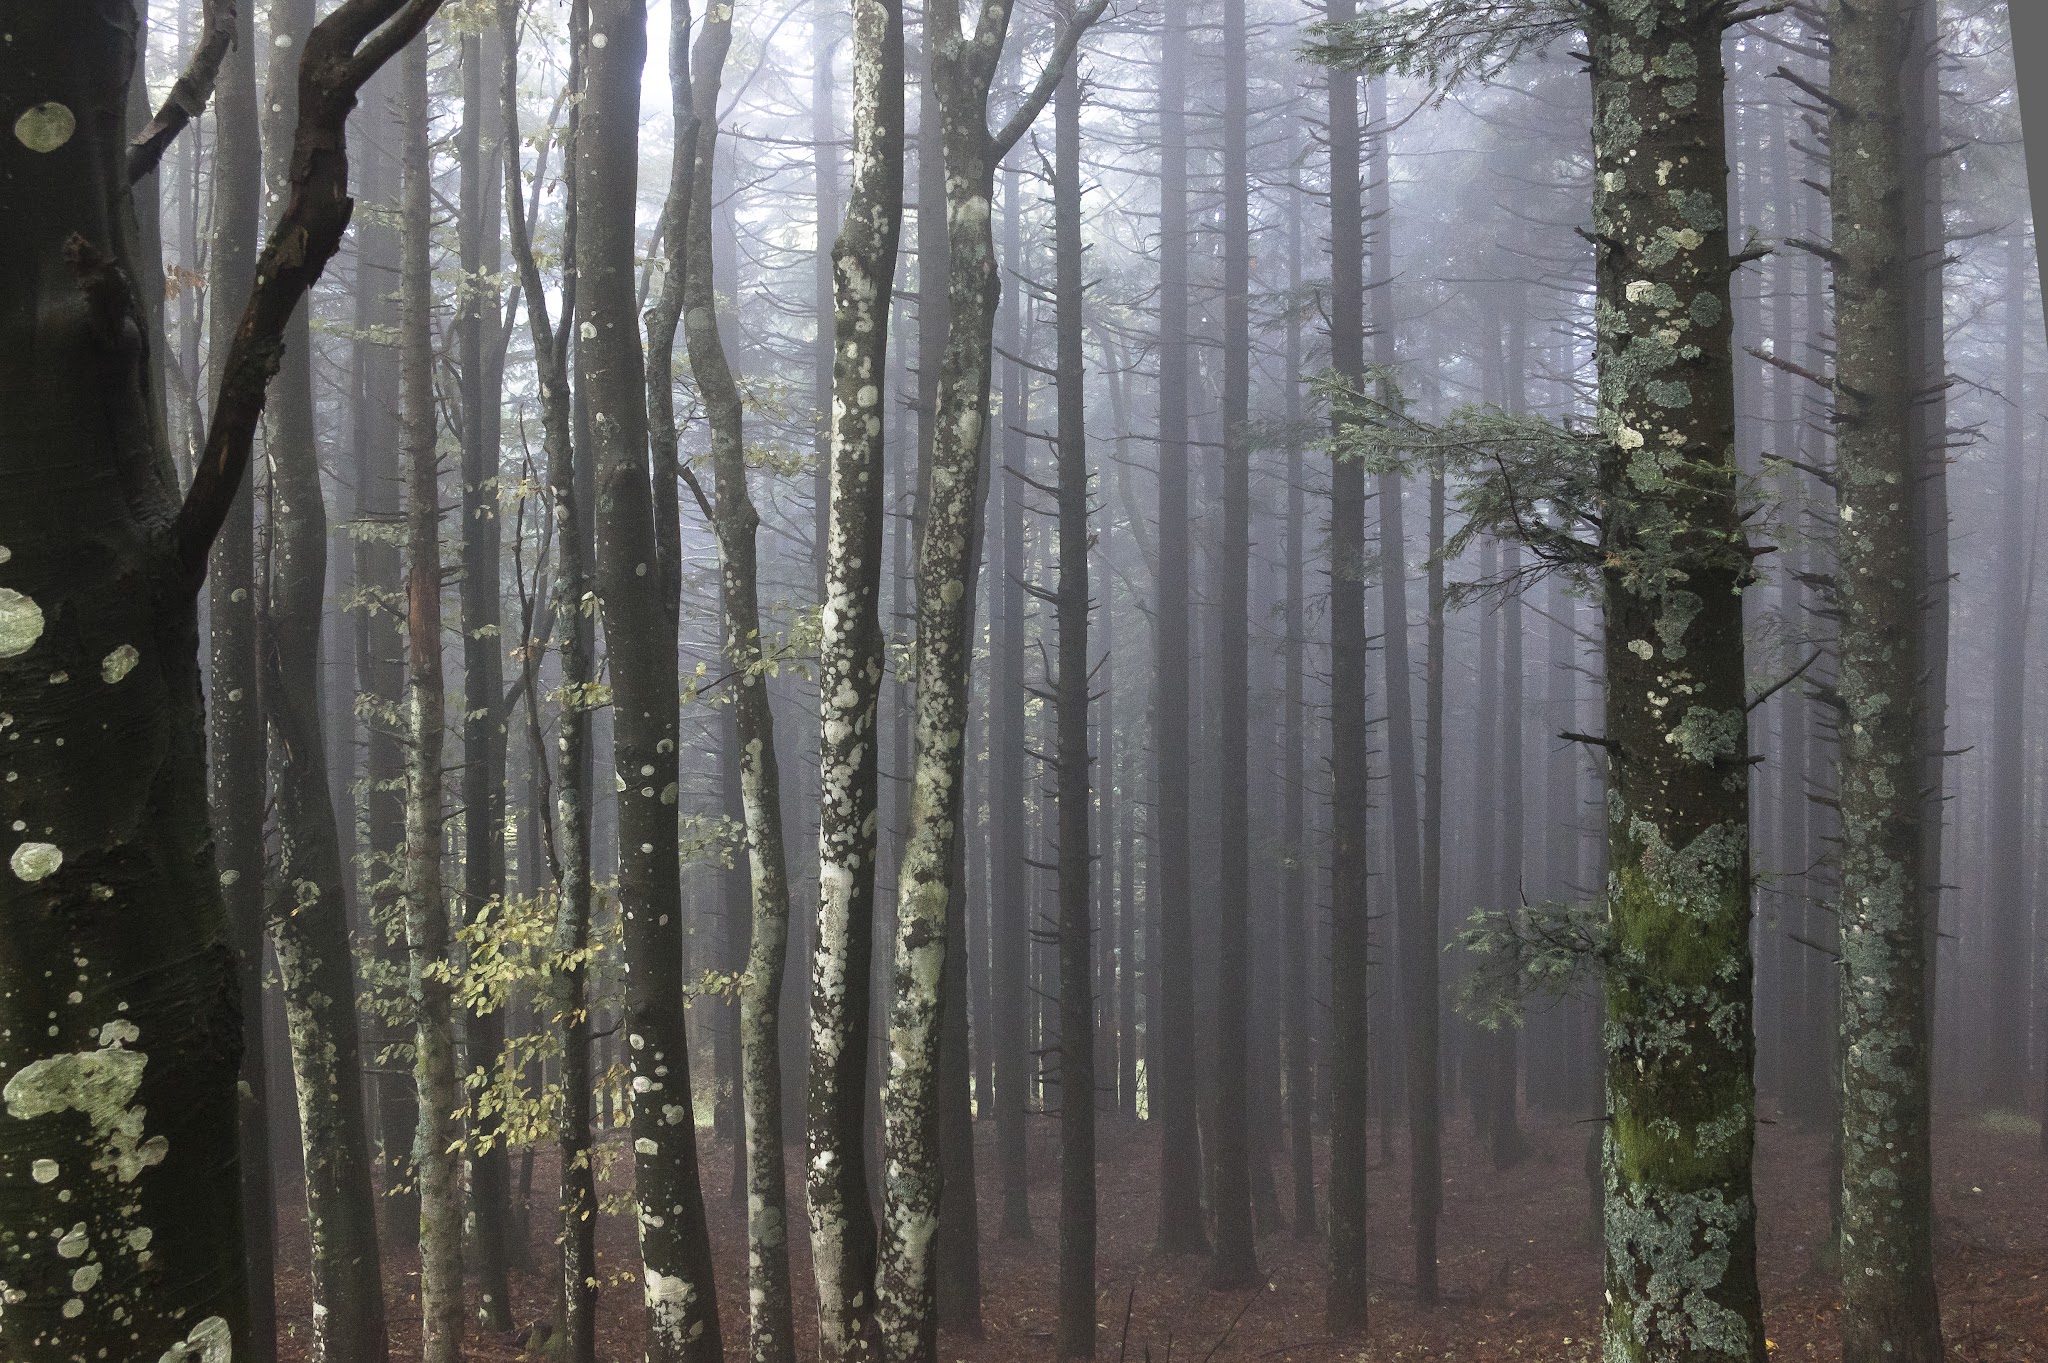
[{"x": 880, "y": 683}]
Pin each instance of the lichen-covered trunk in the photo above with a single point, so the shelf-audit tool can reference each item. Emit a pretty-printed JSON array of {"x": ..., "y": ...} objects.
[
  {"x": 307, "y": 903},
  {"x": 640, "y": 638},
  {"x": 1890, "y": 1307},
  {"x": 119, "y": 1031},
  {"x": 483, "y": 681},
  {"x": 1070, "y": 753},
  {"x": 906, "y": 1298},
  {"x": 1344, "y": 1307},
  {"x": 769, "y": 1338},
  {"x": 428, "y": 988},
  {"x": 850, "y": 665},
  {"x": 1680, "y": 1216},
  {"x": 1172, "y": 1083}
]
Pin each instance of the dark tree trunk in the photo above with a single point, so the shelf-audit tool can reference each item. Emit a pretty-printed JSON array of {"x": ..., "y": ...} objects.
[
  {"x": 1345, "y": 1304},
  {"x": 1236, "y": 1260},
  {"x": 307, "y": 901},
  {"x": 1010, "y": 966},
  {"x": 1680, "y": 1050},
  {"x": 1890, "y": 1308},
  {"x": 483, "y": 679},
  {"x": 636, "y": 589},
  {"x": 1070, "y": 765},
  {"x": 121, "y": 1032},
  {"x": 1172, "y": 1084},
  {"x": 235, "y": 757}
]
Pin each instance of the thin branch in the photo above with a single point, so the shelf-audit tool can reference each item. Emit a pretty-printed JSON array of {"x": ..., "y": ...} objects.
[{"x": 189, "y": 93}]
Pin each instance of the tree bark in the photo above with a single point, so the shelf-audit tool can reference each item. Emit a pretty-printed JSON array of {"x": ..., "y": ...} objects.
[
  {"x": 235, "y": 751},
  {"x": 307, "y": 904},
  {"x": 483, "y": 681},
  {"x": 119, "y": 1031},
  {"x": 1071, "y": 764},
  {"x": 850, "y": 666},
  {"x": 1890, "y": 1306},
  {"x": 436, "y": 1155},
  {"x": 769, "y": 1331},
  {"x": 1345, "y": 1305},
  {"x": 635, "y": 581},
  {"x": 1172, "y": 1086},
  {"x": 1680, "y": 1215}
]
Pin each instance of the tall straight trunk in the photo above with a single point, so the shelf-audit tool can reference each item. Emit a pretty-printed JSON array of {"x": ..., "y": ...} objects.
[
  {"x": 1172, "y": 1087},
  {"x": 1890, "y": 1307},
  {"x": 825, "y": 224},
  {"x": 1503, "y": 1109},
  {"x": 380, "y": 645},
  {"x": 1927, "y": 363},
  {"x": 1236, "y": 1260},
  {"x": 429, "y": 992},
  {"x": 235, "y": 752},
  {"x": 769, "y": 1329},
  {"x": 1680, "y": 1215},
  {"x": 483, "y": 679},
  {"x": 1296, "y": 1051},
  {"x": 1010, "y": 957},
  {"x": 567, "y": 841},
  {"x": 850, "y": 664},
  {"x": 949, "y": 549},
  {"x": 1480, "y": 1063},
  {"x": 635, "y": 577},
  {"x": 119, "y": 1032},
  {"x": 2006, "y": 894},
  {"x": 1415, "y": 922},
  {"x": 1070, "y": 752},
  {"x": 307, "y": 903},
  {"x": 1344, "y": 1307}
]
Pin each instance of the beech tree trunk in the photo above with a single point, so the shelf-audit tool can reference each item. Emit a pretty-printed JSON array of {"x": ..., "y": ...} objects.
[
  {"x": 307, "y": 905},
  {"x": 769, "y": 1337},
  {"x": 436, "y": 1156},
  {"x": 636, "y": 598}
]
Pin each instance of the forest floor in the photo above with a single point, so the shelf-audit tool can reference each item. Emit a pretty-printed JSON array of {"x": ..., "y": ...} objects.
[{"x": 1519, "y": 1261}]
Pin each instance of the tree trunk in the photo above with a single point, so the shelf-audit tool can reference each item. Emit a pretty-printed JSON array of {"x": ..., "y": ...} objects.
[
  {"x": 850, "y": 663},
  {"x": 1236, "y": 1260},
  {"x": 1172, "y": 1086},
  {"x": 119, "y": 1032},
  {"x": 235, "y": 753},
  {"x": 566, "y": 990},
  {"x": 1010, "y": 956},
  {"x": 636, "y": 573},
  {"x": 1070, "y": 764},
  {"x": 307, "y": 904},
  {"x": 483, "y": 680},
  {"x": 1297, "y": 1054},
  {"x": 436, "y": 1154},
  {"x": 769, "y": 1331},
  {"x": 1345, "y": 1305},
  {"x": 1890, "y": 1308},
  {"x": 1680, "y": 1216}
]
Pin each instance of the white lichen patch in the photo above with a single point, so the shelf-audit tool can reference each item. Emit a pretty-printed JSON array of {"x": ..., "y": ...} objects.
[
  {"x": 669, "y": 1300},
  {"x": 45, "y": 127},
  {"x": 21, "y": 623},
  {"x": 210, "y": 1341},
  {"x": 101, "y": 1084},
  {"x": 119, "y": 663},
  {"x": 43, "y": 1171},
  {"x": 33, "y": 861}
]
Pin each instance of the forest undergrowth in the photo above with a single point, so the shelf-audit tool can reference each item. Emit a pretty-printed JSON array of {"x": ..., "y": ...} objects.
[{"x": 1520, "y": 1263}]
